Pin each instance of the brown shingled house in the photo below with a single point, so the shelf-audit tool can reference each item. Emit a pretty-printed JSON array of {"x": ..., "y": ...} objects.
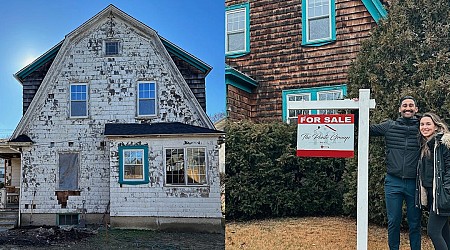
[{"x": 280, "y": 52}]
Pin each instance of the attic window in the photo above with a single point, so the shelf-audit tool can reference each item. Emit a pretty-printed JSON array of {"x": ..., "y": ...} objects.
[{"x": 111, "y": 48}]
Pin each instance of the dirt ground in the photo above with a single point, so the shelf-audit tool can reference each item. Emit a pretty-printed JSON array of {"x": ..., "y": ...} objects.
[
  {"x": 308, "y": 233},
  {"x": 75, "y": 238}
]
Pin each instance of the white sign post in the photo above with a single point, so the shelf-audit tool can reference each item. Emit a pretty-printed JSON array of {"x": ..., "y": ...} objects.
[{"x": 363, "y": 104}]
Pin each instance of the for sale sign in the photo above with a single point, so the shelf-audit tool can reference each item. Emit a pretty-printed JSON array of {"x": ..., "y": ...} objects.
[{"x": 325, "y": 136}]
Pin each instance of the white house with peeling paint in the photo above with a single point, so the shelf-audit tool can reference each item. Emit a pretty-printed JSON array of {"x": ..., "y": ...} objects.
[{"x": 115, "y": 130}]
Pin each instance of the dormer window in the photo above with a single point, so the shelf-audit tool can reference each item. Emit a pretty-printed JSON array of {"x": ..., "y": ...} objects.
[{"x": 111, "y": 48}]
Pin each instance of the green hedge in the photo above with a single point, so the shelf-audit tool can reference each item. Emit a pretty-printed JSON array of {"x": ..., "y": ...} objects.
[{"x": 265, "y": 178}]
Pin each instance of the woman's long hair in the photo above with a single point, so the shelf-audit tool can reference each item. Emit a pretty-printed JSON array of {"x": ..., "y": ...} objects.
[{"x": 441, "y": 127}]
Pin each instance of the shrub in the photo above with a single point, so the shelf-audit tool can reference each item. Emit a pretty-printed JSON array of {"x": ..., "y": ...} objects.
[{"x": 265, "y": 178}]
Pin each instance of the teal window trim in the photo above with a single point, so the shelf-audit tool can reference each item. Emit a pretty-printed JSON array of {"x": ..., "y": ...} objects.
[
  {"x": 239, "y": 80},
  {"x": 305, "y": 26},
  {"x": 246, "y": 51},
  {"x": 376, "y": 9},
  {"x": 145, "y": 180},
  {"x": 313, "y": 94}
]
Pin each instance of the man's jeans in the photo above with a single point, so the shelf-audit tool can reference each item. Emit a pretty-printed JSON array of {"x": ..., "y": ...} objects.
[{"x": 396, "y": 190}]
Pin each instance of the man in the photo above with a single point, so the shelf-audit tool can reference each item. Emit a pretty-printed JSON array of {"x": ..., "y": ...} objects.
[{"x": 402, "y": 155}]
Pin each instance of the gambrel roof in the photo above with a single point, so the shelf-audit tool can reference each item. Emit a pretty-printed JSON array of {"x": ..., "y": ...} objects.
[
  {"x": 170, "y": 47},
  {"x": 59, "y": 52}
]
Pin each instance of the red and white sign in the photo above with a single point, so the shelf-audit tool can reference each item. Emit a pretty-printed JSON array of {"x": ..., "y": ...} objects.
[{"x": 325, "y": 136}]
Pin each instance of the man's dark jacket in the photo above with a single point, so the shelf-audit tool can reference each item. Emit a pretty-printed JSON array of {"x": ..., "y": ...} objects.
[{"x": 402, "y": 145}]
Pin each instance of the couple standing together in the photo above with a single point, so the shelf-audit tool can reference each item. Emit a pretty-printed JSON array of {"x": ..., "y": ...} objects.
[{"x": 418, "y": 171}]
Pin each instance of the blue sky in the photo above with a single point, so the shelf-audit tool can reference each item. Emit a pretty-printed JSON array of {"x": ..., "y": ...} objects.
[{"x": 28, "y": 28}]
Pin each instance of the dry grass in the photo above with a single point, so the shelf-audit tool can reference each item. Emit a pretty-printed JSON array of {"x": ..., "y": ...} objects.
[{"x": 307, "y": 233}]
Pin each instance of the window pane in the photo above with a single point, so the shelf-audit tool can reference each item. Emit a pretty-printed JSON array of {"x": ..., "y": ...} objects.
[
  {"x": 236, "y": 30},
  {"x": 175, "y": 166},
  {"x": 133, "y": 172},
  {"x": 78, "y": 108},
  {"x": 112, "y": 48},
  {"x": 319, "y": 28},
  {"x": 236, "y": 41},
  {"x": 147, "y": 107},
  {"x": 133, "y": 164},
  {"x": 196, "y": 166}
]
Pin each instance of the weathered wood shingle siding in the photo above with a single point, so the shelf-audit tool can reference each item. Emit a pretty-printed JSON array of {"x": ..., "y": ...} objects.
[
  {"x": 31, "y": 84},
  {"x": 278, "y": 61},
  {"x": 194, "y": 78}
]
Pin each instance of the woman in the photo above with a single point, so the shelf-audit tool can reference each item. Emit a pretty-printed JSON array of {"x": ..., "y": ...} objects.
[{"x": 434, "y": 177}]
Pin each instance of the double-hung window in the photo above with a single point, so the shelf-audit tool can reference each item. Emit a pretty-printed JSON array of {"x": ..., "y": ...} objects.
[
  {"x": 146, "y": 99},
  {"x": 78, "y": 100},
  {"x": 185, "y": 166},
  {"x": 293, "y": 98},
  {"x": 237, "y": 30},
  {"x": 318, "y": 20},
  {"x": 133, "y": 161}
]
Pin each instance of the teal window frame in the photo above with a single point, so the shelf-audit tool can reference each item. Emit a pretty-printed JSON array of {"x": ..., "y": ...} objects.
[
  {"x": 145, "y": 178},
  {"x": 234, "y": 8},
  {"x": 313, "y": 92},
  {"x": 305, "y": 25}
]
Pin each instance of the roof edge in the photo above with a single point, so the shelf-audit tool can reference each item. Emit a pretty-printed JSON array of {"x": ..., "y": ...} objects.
[
  {"x": 41, "y": 60},
  {"x": 238, "y": 79},
  {"x": 376, "y": 9}
]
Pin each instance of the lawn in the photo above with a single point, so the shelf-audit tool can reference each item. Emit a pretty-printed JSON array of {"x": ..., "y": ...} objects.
[{"x": 307, "y": 233}]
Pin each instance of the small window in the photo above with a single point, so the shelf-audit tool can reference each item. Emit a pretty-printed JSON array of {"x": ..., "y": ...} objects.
[
  {"x": 111, "y": 48},
  {"x": 237, "y": 29},
  {"x": 318, "y": 22},
  {"x": 78, "y": 100},
  {"x": 68, "y": 219},
  {"x": 147, "y": 99},
  {"x": 292, "y": 100},
  {"x": 133, "y": 161},
  {"x": 186, "y": 166}
]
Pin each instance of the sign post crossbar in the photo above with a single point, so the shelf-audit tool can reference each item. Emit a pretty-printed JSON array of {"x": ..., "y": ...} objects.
[{"x": 363, "y": 105}]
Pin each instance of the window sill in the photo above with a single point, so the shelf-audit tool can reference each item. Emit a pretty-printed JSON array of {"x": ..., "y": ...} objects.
[
  {"x": 78, "y": 117},
  {"x": 236, "y": 54},
  {"x": 133, "y": 182},
  {"x": 318, "y": 43},
  {"x": 185, "y": 186},
  {"x": 145, "y": 117}
]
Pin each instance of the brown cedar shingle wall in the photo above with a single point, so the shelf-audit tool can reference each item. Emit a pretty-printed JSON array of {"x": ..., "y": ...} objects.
[
  {"x": 239, "y": 103},
  {"x": 279, "y": 62},
  {"x": 194, "y": 78}
]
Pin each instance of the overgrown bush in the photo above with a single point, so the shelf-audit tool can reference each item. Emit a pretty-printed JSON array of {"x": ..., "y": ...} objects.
[{"x": 265, "y": 178}]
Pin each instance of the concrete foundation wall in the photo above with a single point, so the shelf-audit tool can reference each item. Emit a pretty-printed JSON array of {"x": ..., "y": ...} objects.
[
  {"x": 209, "y": 225},
  {"x": 52, "y": 219}
]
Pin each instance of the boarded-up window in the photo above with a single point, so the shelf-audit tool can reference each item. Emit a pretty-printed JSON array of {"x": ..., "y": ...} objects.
[{"x": 68, "y": 171}]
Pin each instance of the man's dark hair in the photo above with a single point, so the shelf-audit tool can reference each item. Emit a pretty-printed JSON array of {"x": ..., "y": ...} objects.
[{"x": 406, "y": 98}]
